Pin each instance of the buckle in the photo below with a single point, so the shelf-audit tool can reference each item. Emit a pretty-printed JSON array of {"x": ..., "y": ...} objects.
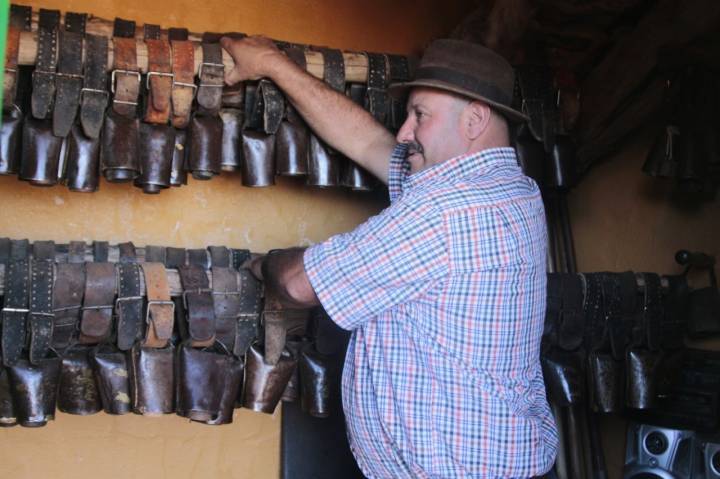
[
  {"x": 15, "y": 310},
  {"x": 212, "y": 65},
  {"x": 188, "y": 85},
  {"x": 158, "y": 74},
  {"x": 159, "y": 302},
  {"x": 193, "y": 291},
  {"x": 122, "y": 72}
]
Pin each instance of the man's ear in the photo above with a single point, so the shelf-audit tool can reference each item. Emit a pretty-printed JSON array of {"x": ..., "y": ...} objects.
[{"x": 477, "y": 119}]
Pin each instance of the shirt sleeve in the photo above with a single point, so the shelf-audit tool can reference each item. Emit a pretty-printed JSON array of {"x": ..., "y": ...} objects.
[{"x": 393, "y": 258}]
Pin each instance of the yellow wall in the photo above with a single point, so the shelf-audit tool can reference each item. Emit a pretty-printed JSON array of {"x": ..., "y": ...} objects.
[
  {"x": 625, "y": 220},
  {"x": 219, "y": 212}
]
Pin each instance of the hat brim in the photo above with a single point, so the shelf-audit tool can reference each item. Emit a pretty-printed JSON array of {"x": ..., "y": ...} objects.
[{"x": 398, "y": 89}]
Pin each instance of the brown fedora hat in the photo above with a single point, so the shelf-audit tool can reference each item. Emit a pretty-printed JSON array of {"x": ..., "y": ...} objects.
[{"x": 468, "y": 69}]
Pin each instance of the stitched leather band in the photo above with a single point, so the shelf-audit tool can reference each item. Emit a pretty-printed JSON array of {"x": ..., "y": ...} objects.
[
  {"x": 159, "y": 77},
  {"x": 175, "y": 257},
  {"x": 99, "y": 299},
  {"x": 239, "y": 257},
  {"x": 183, "y": 87},
  {"x": 101, "y": 251},
  {"x": 94, "y": 96},
  {"x": 128, "y": 306},
  {"x": 198, "y": 303},
  {"x": 43, "y": 79},
  {"x": 248, "y": 320},
  {"x": 19, "y": 249},
  {"x": 155, "y": 254},
  {"x": 20, "y": 19},
  {"x": 67, "y": 303},
  {"x": 76, "y": 252},
  {"x": 41, "y": 315},
  {"x": 15, "y": 309},
  {"x": 226, "y": 301},
  {"x": 334, "y": 71},
  {"x": 376, "y": 100},
  {"x": 199, "y": 257},
  {"x": 69, "y": 80},
  {"x": 212, "y": 76},
  {"x": 127, "y": 253},
  {"x": 595, "y": 331},
  {"x": 43, "y": 251},
  {"x": 159, "y": 318},
  {"x": 125, "y": 79}
]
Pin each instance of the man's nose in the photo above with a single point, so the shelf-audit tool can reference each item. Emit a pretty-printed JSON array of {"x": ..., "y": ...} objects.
[{"x": 406, "y": 133}]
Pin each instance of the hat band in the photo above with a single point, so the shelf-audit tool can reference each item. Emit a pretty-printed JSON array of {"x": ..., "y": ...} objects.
[{"x": 466, "y": 82}]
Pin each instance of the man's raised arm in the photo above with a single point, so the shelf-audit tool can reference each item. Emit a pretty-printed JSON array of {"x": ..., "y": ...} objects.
[{"x": 335, "y": 118}]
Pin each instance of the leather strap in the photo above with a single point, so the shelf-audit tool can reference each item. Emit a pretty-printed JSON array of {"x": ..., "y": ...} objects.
[
  {"x": 14, "y": 312},
  {"x": 212, "y": 76},
  {"x": 183, "y": 87},
  {"x": 219, "y": 256},
  {"x": 595, "y": 331},
  {"x": 76, "y": 252},
  {"x": 198, "y": 257},
  {"x": 94, "y": 95},
  {"x": 334, "y": 71},
  {"x": 100, "y": 288},
  {"x": 248, "y": 320},
  {"x": 175, "y": 257},
  {"x": 239, "y": 257},
  {"x": 101, "y": 251},
  {"x": 376, "y": 99},
  {"x": 198, "y": 302},
  {"x": 125, "y": 78},
  {"x": 20, "y": 19},
  {"x": 227, "y": 303},
  {"x": 4, "y": 251},
  {"x": 155, "y": 254},
  {"x": 275, "y": 332},
  {"x": 152, "y": 32},
  {"x": 127, "y": 253},
  {"x": 160, "y": 314},
  {"x": 271, "y": 103},
  {"x": 653, "y": 311},
  {"x": 67, "y": 303},
  {"x": 43, "y": 251},
  {"x": 159, "y": 77},
  {"x": 611, "y": 305},
  {"x": 128, "y": 306},
  {"x": 399, "y": 72},
  {"x": 41, "y": 316},
  {"x": 43, "y": 79},
  {"x": 19, "y": 249},
  {"x": 69, "y": 79}
]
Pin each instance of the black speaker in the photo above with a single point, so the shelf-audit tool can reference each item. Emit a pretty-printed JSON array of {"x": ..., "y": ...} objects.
[
  {"x": 659, "y": 453},
  {"x": 709, "y": 465}
]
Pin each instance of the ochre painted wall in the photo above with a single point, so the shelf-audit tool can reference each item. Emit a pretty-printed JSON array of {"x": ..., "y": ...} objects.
[
  {"x": 625, "y": 220},
  {"x": 219, "y": 212}
]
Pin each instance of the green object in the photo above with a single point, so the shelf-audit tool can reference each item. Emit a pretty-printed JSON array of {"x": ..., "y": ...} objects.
[{"x": 4, "y": 10}]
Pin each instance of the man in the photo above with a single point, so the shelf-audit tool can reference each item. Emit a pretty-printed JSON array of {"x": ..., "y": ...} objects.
[{"x": 444, "y": 290}]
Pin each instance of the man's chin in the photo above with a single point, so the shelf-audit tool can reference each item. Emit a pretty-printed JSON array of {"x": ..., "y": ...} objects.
[{"x": 416, "y": 161}]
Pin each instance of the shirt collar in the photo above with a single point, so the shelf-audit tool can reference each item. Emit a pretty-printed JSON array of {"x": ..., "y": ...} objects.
[{"x": 464, "y": 166}]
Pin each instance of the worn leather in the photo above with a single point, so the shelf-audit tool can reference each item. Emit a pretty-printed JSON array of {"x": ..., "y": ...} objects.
[
  {"x": 315, "y": 380},
  {"x": 83, "y": 161},
  {"x": 127, "y": 77},
  {"x": 152, "y": 374},
  {"x": 264, "y": 383},
  {"x": 98, "y": 302},
  {"x": 94, "y": 96},
  {"x": 226, "y": 301},
  {"x": 211, "y": 75},
  {"x": 67, "y": 304},
  {"x": 248, "y": 319},
  {"x": 41, "y": 151},
  {"x": 183, "y": 89},
  {"x": 78, "y": 392},
  {"x": 292, "y": 145},
  {"x": 157, "y": 108},
  {"x": 35, "y": 390},
  {"x": 564, "y": 376},
  {"x": 15, "y": 310},
  {"x": 642, "y": 368},
  {"x": 204, "y": 160},
  {"x": 607, "y": 383},
  {"x": 111, "y": 372},
  {"x": 119, "y": 158},
  {"x": 208, "y": 383},
  {"x": 43, "y": 80},
  {"x": 220, "y": 256},
  {"x": 155, "y": 254},
  {"x": 376, "y": 100},
  {"x": 101, "y": 250},
  {"x": 129, "y": 306},
  {"x": 159, "y": 317},
  {"x": 258, "y": 168},
  {"x": 157, "y": 145},
  {"x": 69, "y": 80},
  {"x": 41, "y": 317},
  {"x": 231, "y": 149},
  {"x": 178, "y": 170},
  {"x": 198, "y": 302},
  {"x": 20, "y": 19},
  {"x": 11, "y": 131}
]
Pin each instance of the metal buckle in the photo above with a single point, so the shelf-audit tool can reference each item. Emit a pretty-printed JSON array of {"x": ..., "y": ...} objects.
[
  {"x": 159, "y": 74},
  {"x": 110, "y": 307},
  {"x": 158, "y": 302},
  {"x": 122, "y": 72},
  {"x": 188, "y": 85},
  {"x": 213, "y": 65},
  {"x": 15, "y": 310},
  {"x": 127, "y": 298}
]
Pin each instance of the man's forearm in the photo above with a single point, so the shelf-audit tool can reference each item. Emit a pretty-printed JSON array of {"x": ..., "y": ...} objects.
[{"x": 283, "y": 272}]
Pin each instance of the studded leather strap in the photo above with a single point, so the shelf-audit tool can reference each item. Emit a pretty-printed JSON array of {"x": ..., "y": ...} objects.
[
  {"x": 69, "y": 80},
  {"x": 20, "y": 18},
  {"x": 15, "y": 310},
  {"x": 376, "y": 101},
  {"x": 183, "y": 87},
  {"x": 41, "y": 315},
  {"x": 46, "y": 64},
  {"x": 94, "y": 96},
  {"x": 198, "y": 302},
  {"x": 67, "y": 303},
  {"x": 128, "y": 306}
]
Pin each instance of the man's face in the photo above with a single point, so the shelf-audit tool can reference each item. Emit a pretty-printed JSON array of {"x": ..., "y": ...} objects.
[{"x": 432, "y": 130}]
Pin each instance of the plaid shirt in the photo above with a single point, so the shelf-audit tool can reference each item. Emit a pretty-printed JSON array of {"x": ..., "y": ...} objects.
[{"x": 444, "y": 291}]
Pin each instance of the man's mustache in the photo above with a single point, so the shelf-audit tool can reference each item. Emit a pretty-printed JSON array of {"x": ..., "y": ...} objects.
[{"x": 414, "y": 147}]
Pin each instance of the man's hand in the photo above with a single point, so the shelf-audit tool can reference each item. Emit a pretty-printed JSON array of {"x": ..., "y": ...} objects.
[{"x": 254, "y": 57}]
